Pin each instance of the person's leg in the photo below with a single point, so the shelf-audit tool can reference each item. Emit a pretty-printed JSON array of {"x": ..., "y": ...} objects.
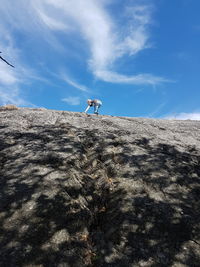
[{"x": 96, "y": 108}]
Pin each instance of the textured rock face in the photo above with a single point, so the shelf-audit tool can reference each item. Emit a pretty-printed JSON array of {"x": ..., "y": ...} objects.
[{"x": 78, "y": 190}]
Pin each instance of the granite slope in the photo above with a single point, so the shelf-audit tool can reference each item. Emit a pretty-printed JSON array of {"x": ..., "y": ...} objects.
[{"x": 85, "y": 190}]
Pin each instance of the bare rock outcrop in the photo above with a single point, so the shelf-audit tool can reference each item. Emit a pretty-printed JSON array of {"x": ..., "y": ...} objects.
[{"x": 78, "y": 190}]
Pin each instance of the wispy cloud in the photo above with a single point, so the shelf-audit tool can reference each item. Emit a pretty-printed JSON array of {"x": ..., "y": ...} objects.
[
  {"x": 113, "y": 77},
  {"x": 13, "y": 96},
  {"x": 184, "y": 116},
  {"x": 10, "y": 78},
  {"x": 13, "y": 79},
  {"x": 107, "y": 41},
  {"x": 136, "y": 32},
  {"x": 72, "y": 100},
  {"x": 52, "y": 23},
  {"x": 156, "y": 110},
  {"x": 76, "y": 85},
  {"x": 7, "y": 75}
]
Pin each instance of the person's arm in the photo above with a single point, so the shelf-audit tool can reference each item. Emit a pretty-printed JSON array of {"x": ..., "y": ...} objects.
[{"x": 87, "y": 108}]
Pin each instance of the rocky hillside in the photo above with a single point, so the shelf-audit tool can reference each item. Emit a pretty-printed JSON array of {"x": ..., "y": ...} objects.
[{"x": 78, "y": 190}]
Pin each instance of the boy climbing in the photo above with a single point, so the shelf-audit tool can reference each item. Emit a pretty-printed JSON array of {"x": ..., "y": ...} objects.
[{"x": 96, "y": 103}]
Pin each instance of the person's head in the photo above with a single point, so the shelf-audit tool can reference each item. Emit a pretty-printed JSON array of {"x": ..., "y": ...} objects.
[{"x": 90, "y": 102}]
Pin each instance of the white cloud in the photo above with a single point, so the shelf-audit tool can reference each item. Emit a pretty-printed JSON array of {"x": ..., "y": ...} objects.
[
  {"x": 184, "y": 116},
  {"x": 12, "y": 96},
  {"x": 72, "y": 100},
  {"x": 76, "y": 85},
  {"x": 106, "y": 38},
  {"x": 12, "y": 79},
  {"x": 114, "y": 77},
  {"x": 51, "y": 22},
  {"x": 156, "y": 110},
  {"x": 139, "y": 17},
  {"x": 7, "y": 75}
]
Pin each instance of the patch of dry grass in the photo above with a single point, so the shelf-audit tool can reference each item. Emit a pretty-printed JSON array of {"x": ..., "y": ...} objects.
[{"x": 9, "y": 107}]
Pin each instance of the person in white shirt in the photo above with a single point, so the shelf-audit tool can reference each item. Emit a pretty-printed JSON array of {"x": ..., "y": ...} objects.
[{"x": 96, "y": 103}]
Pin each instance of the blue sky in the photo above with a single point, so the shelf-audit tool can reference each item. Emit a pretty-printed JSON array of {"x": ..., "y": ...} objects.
[{"x": 140, "y": 57}]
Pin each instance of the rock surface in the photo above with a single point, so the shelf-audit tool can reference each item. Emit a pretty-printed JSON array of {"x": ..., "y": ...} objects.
[{"x": 78, "y": 190}]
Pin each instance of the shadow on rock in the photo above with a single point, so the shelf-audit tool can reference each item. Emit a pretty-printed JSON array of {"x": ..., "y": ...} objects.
[{"x": 78, "y": 197}]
